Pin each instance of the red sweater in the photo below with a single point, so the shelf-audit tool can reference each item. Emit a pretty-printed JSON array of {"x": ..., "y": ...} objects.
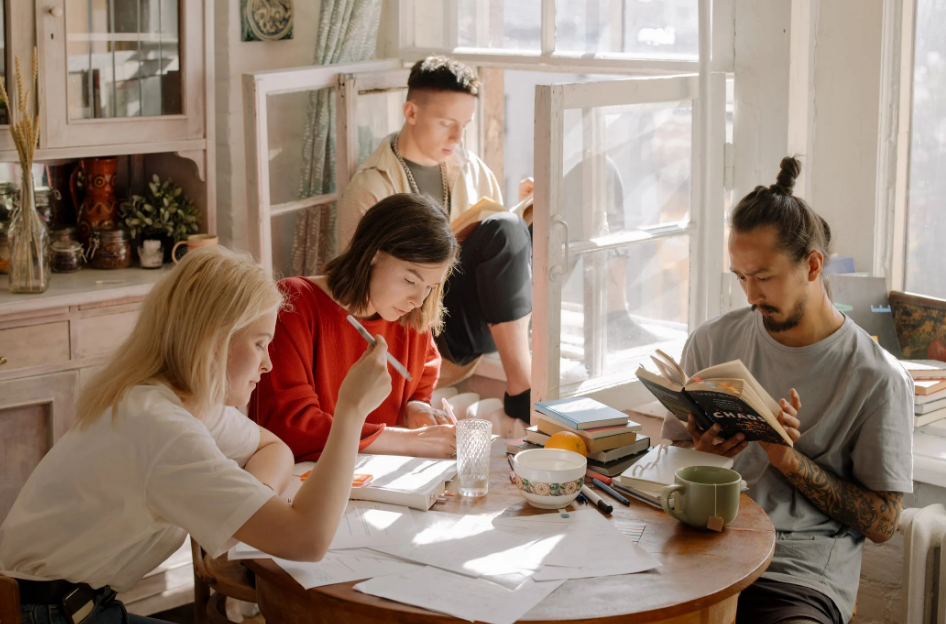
[{"x": 312, "y": 350}]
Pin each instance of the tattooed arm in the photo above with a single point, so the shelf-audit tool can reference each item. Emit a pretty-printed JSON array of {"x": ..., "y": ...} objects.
[{"x": 875, "y": 514}]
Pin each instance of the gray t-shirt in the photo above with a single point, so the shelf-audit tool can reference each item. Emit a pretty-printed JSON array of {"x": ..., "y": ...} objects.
[
  {"x": 429, "y": 180},
  {"x": 856, "y": 422}
]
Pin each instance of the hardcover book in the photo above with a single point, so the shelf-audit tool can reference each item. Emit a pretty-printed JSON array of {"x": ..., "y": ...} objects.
[{"x": 582, "y": 413}]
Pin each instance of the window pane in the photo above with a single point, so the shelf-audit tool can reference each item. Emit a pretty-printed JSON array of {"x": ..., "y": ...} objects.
[
  {"x": 926, "y": 206},
  {"x": 619, "y": 305},
  {"x": 667, "y": 29},
  {"x": 379, "y": 114},
  {"x": 123, "y": 58},
  {"x": 301, "y": 150},
  {"x": 626, "y": 168},
  {"x": 512, "y": 25}
]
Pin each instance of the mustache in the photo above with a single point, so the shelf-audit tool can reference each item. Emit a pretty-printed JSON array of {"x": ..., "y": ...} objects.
[{"x": 765, "y": 308}]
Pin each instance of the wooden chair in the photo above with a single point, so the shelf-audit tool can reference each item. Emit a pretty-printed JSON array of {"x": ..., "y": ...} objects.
[
  {"x": 229, "y": 579},
  {"x": 9, "y": 601}
]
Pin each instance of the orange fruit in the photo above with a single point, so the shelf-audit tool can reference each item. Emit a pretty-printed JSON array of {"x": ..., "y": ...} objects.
[{"x": 567, "y": 441}]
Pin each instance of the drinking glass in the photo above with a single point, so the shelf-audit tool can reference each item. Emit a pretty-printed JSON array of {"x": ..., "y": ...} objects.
[{"x": 473, "y": 442}]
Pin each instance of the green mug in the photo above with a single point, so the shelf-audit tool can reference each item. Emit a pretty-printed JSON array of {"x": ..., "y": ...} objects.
[{"x": 701, "y": 493}]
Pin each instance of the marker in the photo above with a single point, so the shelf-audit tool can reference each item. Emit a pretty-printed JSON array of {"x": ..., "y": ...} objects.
[
  {"x": 599, "y": 502},
  {"x": 448, "y": 410},
  {"x": 600, "y": 477},
  {"x": 607, "y": 489},
  {"x": 391, "y": 360}
]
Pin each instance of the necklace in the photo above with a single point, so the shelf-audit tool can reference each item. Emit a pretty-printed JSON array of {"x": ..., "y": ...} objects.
[{"x": 413, "y": 183}]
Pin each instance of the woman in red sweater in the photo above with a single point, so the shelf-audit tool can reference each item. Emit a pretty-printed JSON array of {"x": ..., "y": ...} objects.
[{"x": 391, "y": 278}]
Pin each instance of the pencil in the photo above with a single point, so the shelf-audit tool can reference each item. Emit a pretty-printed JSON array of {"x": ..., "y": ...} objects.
[{"x": 391, "y": 359}]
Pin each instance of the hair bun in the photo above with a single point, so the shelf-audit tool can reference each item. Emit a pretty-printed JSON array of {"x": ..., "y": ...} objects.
[{"x": 788, "y": 173}]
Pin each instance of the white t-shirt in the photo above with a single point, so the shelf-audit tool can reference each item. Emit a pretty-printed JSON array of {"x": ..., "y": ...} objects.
[{"x": 109, "y": 503}]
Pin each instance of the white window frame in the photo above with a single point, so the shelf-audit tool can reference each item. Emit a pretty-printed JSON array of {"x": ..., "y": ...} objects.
[
  {"x": 257, "y": 87},
  {"x": 552, "y": 250}
]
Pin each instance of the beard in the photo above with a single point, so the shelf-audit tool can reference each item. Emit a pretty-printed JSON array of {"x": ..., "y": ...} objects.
[{"x": 790, "y": 323}]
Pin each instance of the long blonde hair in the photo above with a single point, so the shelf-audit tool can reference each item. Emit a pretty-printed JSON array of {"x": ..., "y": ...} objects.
[{"x": 182, "y": 337}]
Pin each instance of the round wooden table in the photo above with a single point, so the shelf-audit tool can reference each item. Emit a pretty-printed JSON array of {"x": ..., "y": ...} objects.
[{"x": 700, "y": 580}]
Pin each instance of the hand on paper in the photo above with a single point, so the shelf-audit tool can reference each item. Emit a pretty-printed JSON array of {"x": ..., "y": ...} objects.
[
  {"x": 439, "y": 441},
  {"x": 709, "y": 442},
  {"x": 418, "y": 414},
  {"x": 368, "y": 382},
  {"x": 780, "y": 456}
]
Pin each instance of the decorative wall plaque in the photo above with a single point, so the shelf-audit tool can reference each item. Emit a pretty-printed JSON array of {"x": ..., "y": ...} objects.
[{"x": 267, "y": 20}]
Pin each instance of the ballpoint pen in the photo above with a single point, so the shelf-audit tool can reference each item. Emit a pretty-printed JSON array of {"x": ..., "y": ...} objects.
[{"x": 391, "y": 359}]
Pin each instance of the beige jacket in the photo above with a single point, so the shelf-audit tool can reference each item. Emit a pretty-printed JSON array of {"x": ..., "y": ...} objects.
[{"x": 381, "y": 175}]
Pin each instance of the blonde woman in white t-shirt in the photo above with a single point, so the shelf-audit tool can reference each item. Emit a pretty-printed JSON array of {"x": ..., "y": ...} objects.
[{"x": 159, "y": 451}]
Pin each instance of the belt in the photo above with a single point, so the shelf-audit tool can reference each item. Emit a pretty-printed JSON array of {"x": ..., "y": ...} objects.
[{"x": 77, "y": 599}]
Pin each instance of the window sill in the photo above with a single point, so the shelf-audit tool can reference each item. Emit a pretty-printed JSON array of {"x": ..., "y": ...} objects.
[{"x": 929, "y": 459}]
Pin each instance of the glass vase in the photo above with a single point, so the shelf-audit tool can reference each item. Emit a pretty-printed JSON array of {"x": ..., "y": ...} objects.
[{"x": 29, "y": 268}]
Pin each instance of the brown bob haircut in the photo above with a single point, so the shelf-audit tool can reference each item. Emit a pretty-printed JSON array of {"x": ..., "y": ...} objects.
[{"x": 409, "y": 227}]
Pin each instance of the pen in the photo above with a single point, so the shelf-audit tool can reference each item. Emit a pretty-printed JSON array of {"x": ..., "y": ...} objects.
[
  {"x": 600, "y": 477},
  {"x": 391, "y": 359},
  {"x": 637, "y": 496},
  {"x": 449, "y": 411},
  {"x": 607, "y": 489},
  {"x": 599, "y": 502}
]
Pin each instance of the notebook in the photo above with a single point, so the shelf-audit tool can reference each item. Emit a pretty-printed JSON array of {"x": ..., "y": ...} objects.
[
  {"x": 410, "y": 481},
  {"x": 656, "y": 469},
  {"x": 582, "y": 413}
]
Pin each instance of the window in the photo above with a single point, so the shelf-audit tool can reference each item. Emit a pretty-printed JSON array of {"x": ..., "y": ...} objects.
[{"x": 925, "y": 263}]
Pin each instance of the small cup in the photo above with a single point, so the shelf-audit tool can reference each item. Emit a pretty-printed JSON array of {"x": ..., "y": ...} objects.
[
  {"x": 701, "y": 493},
  {"x": 195, "y": 241},
  {"x": 473, "y": 441}
]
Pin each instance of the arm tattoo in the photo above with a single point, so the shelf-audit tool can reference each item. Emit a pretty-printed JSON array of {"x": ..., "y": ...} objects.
[{"x": 875, "y": 514}]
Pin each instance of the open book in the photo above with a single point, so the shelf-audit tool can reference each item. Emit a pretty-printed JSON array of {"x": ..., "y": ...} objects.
[
  {"x": 485, "y": 208},
  {"x": 726, "y": 394}
]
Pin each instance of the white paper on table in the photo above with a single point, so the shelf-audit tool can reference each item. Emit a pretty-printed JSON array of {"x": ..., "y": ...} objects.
[
  {"x": 245, "y": 551},
  {"x": 473, "y": 546},
  {"x": 341, "y": 567},
  {"x": 460, "y": 596},
  {"x": 640, "y": 562},
  {"x": 367, "y": 524}
]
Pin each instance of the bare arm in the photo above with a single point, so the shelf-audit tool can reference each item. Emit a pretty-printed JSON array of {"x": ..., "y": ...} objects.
[
  {"x": 304, "y": 530},
  {"x": 272, "y": 462},
  {"x": 875, "y": 514}
]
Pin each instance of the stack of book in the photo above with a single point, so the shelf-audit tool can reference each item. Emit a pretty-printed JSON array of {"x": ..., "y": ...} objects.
[
  {"x": 610, "y": 437},
  {"x": 929, "y": 378}
]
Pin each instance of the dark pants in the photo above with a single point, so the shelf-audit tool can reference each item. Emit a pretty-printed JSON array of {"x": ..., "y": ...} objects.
[
  {"x": 107, "y": 611},
  {"x": 771, "y": 602},
  {"x": 492, "y": 284}
]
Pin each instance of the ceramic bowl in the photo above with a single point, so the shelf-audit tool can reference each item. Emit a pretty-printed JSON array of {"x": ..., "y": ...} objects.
[{"x": 549, "y": 478}]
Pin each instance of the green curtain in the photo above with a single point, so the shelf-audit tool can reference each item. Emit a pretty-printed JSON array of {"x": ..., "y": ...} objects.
[{"x": 348, "y": 32}]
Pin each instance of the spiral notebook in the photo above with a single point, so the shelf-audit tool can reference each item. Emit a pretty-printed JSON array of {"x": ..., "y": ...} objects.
[{"x": 655, "y": 470}]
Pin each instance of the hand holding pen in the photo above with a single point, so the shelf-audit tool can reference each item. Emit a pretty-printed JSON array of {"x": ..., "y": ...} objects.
[{"x": 371, "y": 340}]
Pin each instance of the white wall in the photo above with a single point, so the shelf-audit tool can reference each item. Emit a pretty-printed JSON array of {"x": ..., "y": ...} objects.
[{"x": 234, "y": 58}]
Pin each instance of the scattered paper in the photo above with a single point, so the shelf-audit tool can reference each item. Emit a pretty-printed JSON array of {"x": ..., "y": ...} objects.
[
  {"x": 367, "y": 524},
  {"x": 641, "y": 561},
  {"x": 341, "y": 567},
  {"x": 460, "y": 596}
]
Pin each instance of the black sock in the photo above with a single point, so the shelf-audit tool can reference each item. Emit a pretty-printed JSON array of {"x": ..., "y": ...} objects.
[{"x": 519, "y": 406}]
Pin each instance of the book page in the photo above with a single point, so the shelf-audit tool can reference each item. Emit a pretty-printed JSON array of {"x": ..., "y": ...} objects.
[{"x": 737, "y": 370}]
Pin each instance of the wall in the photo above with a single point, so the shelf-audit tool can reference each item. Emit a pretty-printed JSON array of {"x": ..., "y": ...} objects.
[{"x": 234, "y": 58}]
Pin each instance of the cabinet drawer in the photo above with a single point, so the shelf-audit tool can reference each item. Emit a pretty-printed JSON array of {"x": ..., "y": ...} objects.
[
  {"x": 34, "y": 345},
  {"x": 100, "y": 335}
]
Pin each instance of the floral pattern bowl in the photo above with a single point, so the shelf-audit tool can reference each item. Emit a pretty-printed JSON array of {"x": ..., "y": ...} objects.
[{"x": 549, "y": 478}]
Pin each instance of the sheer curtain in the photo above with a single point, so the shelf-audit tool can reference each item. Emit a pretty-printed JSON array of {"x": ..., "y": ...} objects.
[{"x": 348, "y": 32}]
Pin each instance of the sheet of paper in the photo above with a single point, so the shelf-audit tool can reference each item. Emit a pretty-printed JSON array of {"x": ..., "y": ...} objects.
[
  {"x": 460, "y": 596},
  {"x": 641, "y": 561},
  {"x": 340, "y": 567},
  {"x": 473, "y": 546},
  {"x": 367, "y": 524}
]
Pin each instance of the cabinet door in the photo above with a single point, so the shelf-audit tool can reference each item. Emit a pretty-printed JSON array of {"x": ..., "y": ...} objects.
[
  {"x": 34, "y": 413},
  {"x": 121, "y": 71}
]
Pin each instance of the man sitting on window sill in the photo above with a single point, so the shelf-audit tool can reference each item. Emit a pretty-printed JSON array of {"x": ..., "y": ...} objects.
[
  {"x": 851, "y": 462},
  {"x": 489, "y": 297}
]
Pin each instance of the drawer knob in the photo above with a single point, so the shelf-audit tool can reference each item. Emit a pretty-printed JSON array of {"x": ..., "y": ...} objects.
[
  {"x": 3, "y": 360},
  {"x": 56, "y": 11}
]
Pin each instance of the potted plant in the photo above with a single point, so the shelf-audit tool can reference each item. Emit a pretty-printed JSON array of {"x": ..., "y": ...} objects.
[{"x": 159, "y": 220}]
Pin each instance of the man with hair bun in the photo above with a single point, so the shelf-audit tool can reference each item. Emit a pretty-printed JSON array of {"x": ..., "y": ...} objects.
[
  {"x": 848, "y": 407},
  {"x": 489, "y": 298}
]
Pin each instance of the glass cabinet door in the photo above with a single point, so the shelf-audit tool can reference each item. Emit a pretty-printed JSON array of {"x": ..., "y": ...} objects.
[{"x": 122, "y": 71}]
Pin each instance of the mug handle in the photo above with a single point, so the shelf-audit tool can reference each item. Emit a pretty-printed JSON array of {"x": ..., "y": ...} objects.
[
  {"x": 665, "y": 496},
  {"x": 174, "y": 251}
]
